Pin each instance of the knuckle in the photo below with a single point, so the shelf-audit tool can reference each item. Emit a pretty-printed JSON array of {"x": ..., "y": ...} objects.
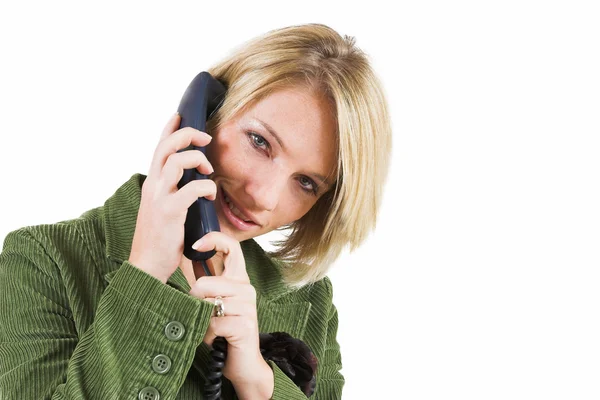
[
  {"x": 173, "y": 160},
  {"x": 168, "y": 145},
  {"x": 189, "y": 131},
  {"x": 203, "y": 282}
]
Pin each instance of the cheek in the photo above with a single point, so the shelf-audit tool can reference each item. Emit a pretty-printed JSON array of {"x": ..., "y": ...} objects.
[
  {"x": 234, "y": 158},
  {"x": 228, "y": 156},
  {"x": 291, "y": 210}
]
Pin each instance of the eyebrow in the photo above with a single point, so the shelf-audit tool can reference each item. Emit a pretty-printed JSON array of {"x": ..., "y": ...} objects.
[{"x": 270, "y": 129}]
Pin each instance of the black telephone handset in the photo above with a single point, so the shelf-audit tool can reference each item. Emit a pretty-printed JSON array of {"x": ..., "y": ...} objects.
[{"x": 201, "y": 100}]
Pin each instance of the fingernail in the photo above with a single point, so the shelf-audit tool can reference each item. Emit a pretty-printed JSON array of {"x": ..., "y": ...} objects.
[{"x": 197, "y": 245}]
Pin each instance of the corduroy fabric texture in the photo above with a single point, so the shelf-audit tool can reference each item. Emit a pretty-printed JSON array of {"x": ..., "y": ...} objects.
[{"x": 78, "y": 321}]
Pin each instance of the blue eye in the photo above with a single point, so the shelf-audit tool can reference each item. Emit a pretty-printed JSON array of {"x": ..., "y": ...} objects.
[
  {"x": 257, "y": 140},
  {"x": 313, "y": 186}
]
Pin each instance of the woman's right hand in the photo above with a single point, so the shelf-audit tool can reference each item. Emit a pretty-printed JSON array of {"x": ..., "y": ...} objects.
[{"x": 157, "y": 245}]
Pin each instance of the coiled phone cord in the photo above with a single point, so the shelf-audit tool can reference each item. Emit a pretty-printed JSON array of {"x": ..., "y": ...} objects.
[{"x": 218, "y": 354}]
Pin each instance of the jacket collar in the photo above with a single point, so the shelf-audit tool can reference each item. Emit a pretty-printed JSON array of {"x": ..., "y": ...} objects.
[{"x": 120, "y": 217}]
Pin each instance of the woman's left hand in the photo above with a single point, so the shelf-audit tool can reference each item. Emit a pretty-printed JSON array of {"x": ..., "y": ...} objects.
[{"x": 244, "y": 365}]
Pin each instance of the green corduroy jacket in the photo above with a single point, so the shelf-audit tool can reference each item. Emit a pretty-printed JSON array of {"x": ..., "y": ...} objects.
[{"x": 78, "y": 321}]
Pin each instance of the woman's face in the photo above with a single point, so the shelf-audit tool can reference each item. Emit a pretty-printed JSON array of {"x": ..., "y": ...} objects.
[{"x": 273, "y": 162}]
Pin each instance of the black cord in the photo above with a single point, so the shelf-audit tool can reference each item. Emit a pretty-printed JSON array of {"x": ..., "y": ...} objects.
[{"x": 218, "y": 354}]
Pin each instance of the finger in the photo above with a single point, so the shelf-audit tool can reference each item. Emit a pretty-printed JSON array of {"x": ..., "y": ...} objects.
[
  {"x": 177, "y": 162},
  {"x": 174, "y": 142},
  {"x": 229, "y": 327},
  {"x": 184, "y": 197},
  {"x": 234, "y": 265},
  {"x": 213, "y": 286},
  {"x": 233, "y": 306},
  {"x": 171, "y": 126}
]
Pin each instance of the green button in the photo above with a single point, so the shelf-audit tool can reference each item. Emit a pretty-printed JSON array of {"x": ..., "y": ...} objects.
[
  {"x": 174, "y": 330},
  {"x": 161, "y": 364},
  {"x": 149, "y": 393}
]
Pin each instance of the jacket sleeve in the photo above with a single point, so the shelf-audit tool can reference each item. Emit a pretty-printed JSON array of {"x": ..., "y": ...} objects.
[
  {"x": 44, "y": 357},
  {"x": 330, "y": 380}
]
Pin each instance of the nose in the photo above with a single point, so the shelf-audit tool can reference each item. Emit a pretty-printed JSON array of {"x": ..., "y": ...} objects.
[{"x": 266, "y": 189}]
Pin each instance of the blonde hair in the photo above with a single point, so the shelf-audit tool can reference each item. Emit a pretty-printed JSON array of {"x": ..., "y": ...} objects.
[{"x": 316, "y": 57}]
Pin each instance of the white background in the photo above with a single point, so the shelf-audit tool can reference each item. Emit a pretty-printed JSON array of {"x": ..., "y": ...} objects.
[{"x": 481, "y": 279}]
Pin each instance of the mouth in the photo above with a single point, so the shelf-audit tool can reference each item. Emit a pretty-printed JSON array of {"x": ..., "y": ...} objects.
[{"x": 234, "y": 215}]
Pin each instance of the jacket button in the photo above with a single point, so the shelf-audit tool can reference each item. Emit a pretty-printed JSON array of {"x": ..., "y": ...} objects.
[
  {"x": 174, "y": 330},
  {"x": 149, "y": 393},
  {"x": 161, "y": 364}
]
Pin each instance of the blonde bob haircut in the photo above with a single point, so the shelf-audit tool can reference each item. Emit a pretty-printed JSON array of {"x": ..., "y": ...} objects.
[{"x": 316, "y": 57}]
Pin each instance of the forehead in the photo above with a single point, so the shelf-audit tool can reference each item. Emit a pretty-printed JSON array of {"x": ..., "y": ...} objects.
[{"x": 305, "y": 123}]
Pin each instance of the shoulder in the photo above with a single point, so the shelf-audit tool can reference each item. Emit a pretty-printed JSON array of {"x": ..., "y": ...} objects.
[
  {"x": 322, "y": 290},
  {"x": 98, "y": 237},
  {"x": 66, "y": 228},
  {"x": 319, "y": 294},
  {"x": 322, "y": 297},
  {"x": 54, "y": 243}
]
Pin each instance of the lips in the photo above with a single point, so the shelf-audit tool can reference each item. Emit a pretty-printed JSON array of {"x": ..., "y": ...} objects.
[{"x": 235, "y": 213}]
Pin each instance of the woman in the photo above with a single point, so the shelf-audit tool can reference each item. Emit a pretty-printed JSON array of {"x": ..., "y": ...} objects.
[{"x": 107, "y": 305}]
